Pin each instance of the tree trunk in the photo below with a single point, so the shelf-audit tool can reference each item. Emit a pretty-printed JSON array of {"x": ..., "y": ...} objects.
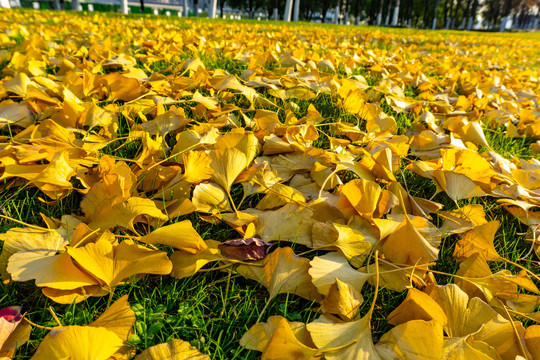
[
  {"x": 288, "y": 11},
  {"x": 446, "y": 7},
  {"x": 472, "y": 19},
  {"x": 434, "y": 25},
  {"x": 195, "y": 8},
  {"x": 251, "y": 9},
  {"x": 296, "y": 12},
  {"x": 324, "y": 10},
  {"x": 76, "y": 5},
  {"x": 357, "y": 12},
  {"x": 212, "y": 9},
  {"x": 454, "y": 18},
  {"x": 507, "y": 8},
  {"x": 387, "y": 18},
  {"x": 396, "y": 14},
  {"x": 425, "y": 17},
  {"x": 466, "y": 15},
  {"x": 379, "y": 15}
]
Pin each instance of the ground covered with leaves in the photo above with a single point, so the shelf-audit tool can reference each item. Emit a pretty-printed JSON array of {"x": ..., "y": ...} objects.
[{"x": 209, "y": 189}]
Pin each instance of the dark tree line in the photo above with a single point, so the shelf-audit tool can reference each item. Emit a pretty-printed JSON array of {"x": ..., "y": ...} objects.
[{"x": 427, "y": 14}]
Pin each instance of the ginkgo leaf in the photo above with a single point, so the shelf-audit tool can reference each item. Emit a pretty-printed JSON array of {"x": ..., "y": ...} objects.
[
  {"x": 56, "y": 271},
  {"x": 245, "y": 249},
  {"x": 326, "y": 268},
  {"x": 479, "y": 240},
  {"x": 417, "y": 306},
  {"x": 457, "y": 348},
  {"x": 180, "y": 235},
  {"x": 353, "y": 339},
  {"x": 259, "y": 335},
  {"x": 505, "y": 337},
  {"x": 342, "y": 300},
  {"x": 16, "y": 240},
  {"x": 284, "y": 344},
  {"x": 465, "y": 316},
  {"x": 279, "y": 195},
  {"x": 18, "y": 114},
  {"x": 292, "y": 223},
  {"x": 332, "y": 236},
  {"x": 74, "y": 296},
  {"x": 197, "y": 167},
  {"x": 210, "y": 198},
  {"x": 457, "y": 186},
  {"x": 532, "y": 339},
  {"x": 414, "y": 339},
  {"x": 186, "y": 264},
  {"x": 173, "y": 350},
  {"x": 118, "y": 318},
  {"x": 463, "y": 219},
  {"x": 407, "y": 246},
  {"x": 363, "y": 195},
  {"x": 227, "y": 165},
  {"x": 114, "y": 263},
  {"x": 283, "y": 272},
  {"x": 79, "y": 342},
  {"x": 13, "y": 332}
]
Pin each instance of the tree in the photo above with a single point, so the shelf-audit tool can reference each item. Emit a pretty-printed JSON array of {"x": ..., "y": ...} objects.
[
  {"x": 250, "y": 5},
  {"x": 472, "y": 19},
  {"x": 434, "y": 26}
]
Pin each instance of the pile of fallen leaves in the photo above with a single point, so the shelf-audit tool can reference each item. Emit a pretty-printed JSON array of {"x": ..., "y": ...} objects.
[{"x": 218, "y": 109}]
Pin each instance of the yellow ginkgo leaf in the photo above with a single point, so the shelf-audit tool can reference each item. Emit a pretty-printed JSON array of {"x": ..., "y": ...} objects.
[
  {"x": 479, "y": 240},
  {"x": 259, "y": 335},
  {"x": 74, "y": 296},
  {"x": 342, "y": 300},
  {"x": 457, "y": 186},
  {"x": 292, "y": 223},
  {"x": 457, "y": 348},
  {"x": 348, "y": 341},
  {"x": 15, "y": 114},
  {"x": 326, "y": 268},
  {"x": 279, "y": 195},
  {"x": 125, "y": 214},
  {"x": 505, "y": 337},
  {"x": 285, "y": 345},
  {"x": 532, "y": 339},
  {"x": 227, "y": 165},
  {"x": 197, "y": 167},
  {"x": 333, "y": 236},
  {"x": 465, "y": 316},
  {"x": 463, "y": 219},
  {"x": 363, "y": 195},
  {"x": 211, "y": 198},
  {"x": 56, "y": 271},
  {"x": 415, "y": 339},
  {"x": 209, "y": 103},
  {"x": 186, "y": 264},
  {"x": 114, "y": 263},
  {"x": 417, "y": 306},
  {"x": 283, "y": 272},
  {"x": 180, "y": 235},
  {"x": 118, "y": 318},
  {"x": 79, "y": 342},
  {"x": 173, "y": 350},
  {"x": 406, "y": 245}
]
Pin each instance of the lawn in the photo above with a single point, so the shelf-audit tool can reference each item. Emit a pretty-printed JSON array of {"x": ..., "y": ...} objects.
[{"x": 394, "y": 171}]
